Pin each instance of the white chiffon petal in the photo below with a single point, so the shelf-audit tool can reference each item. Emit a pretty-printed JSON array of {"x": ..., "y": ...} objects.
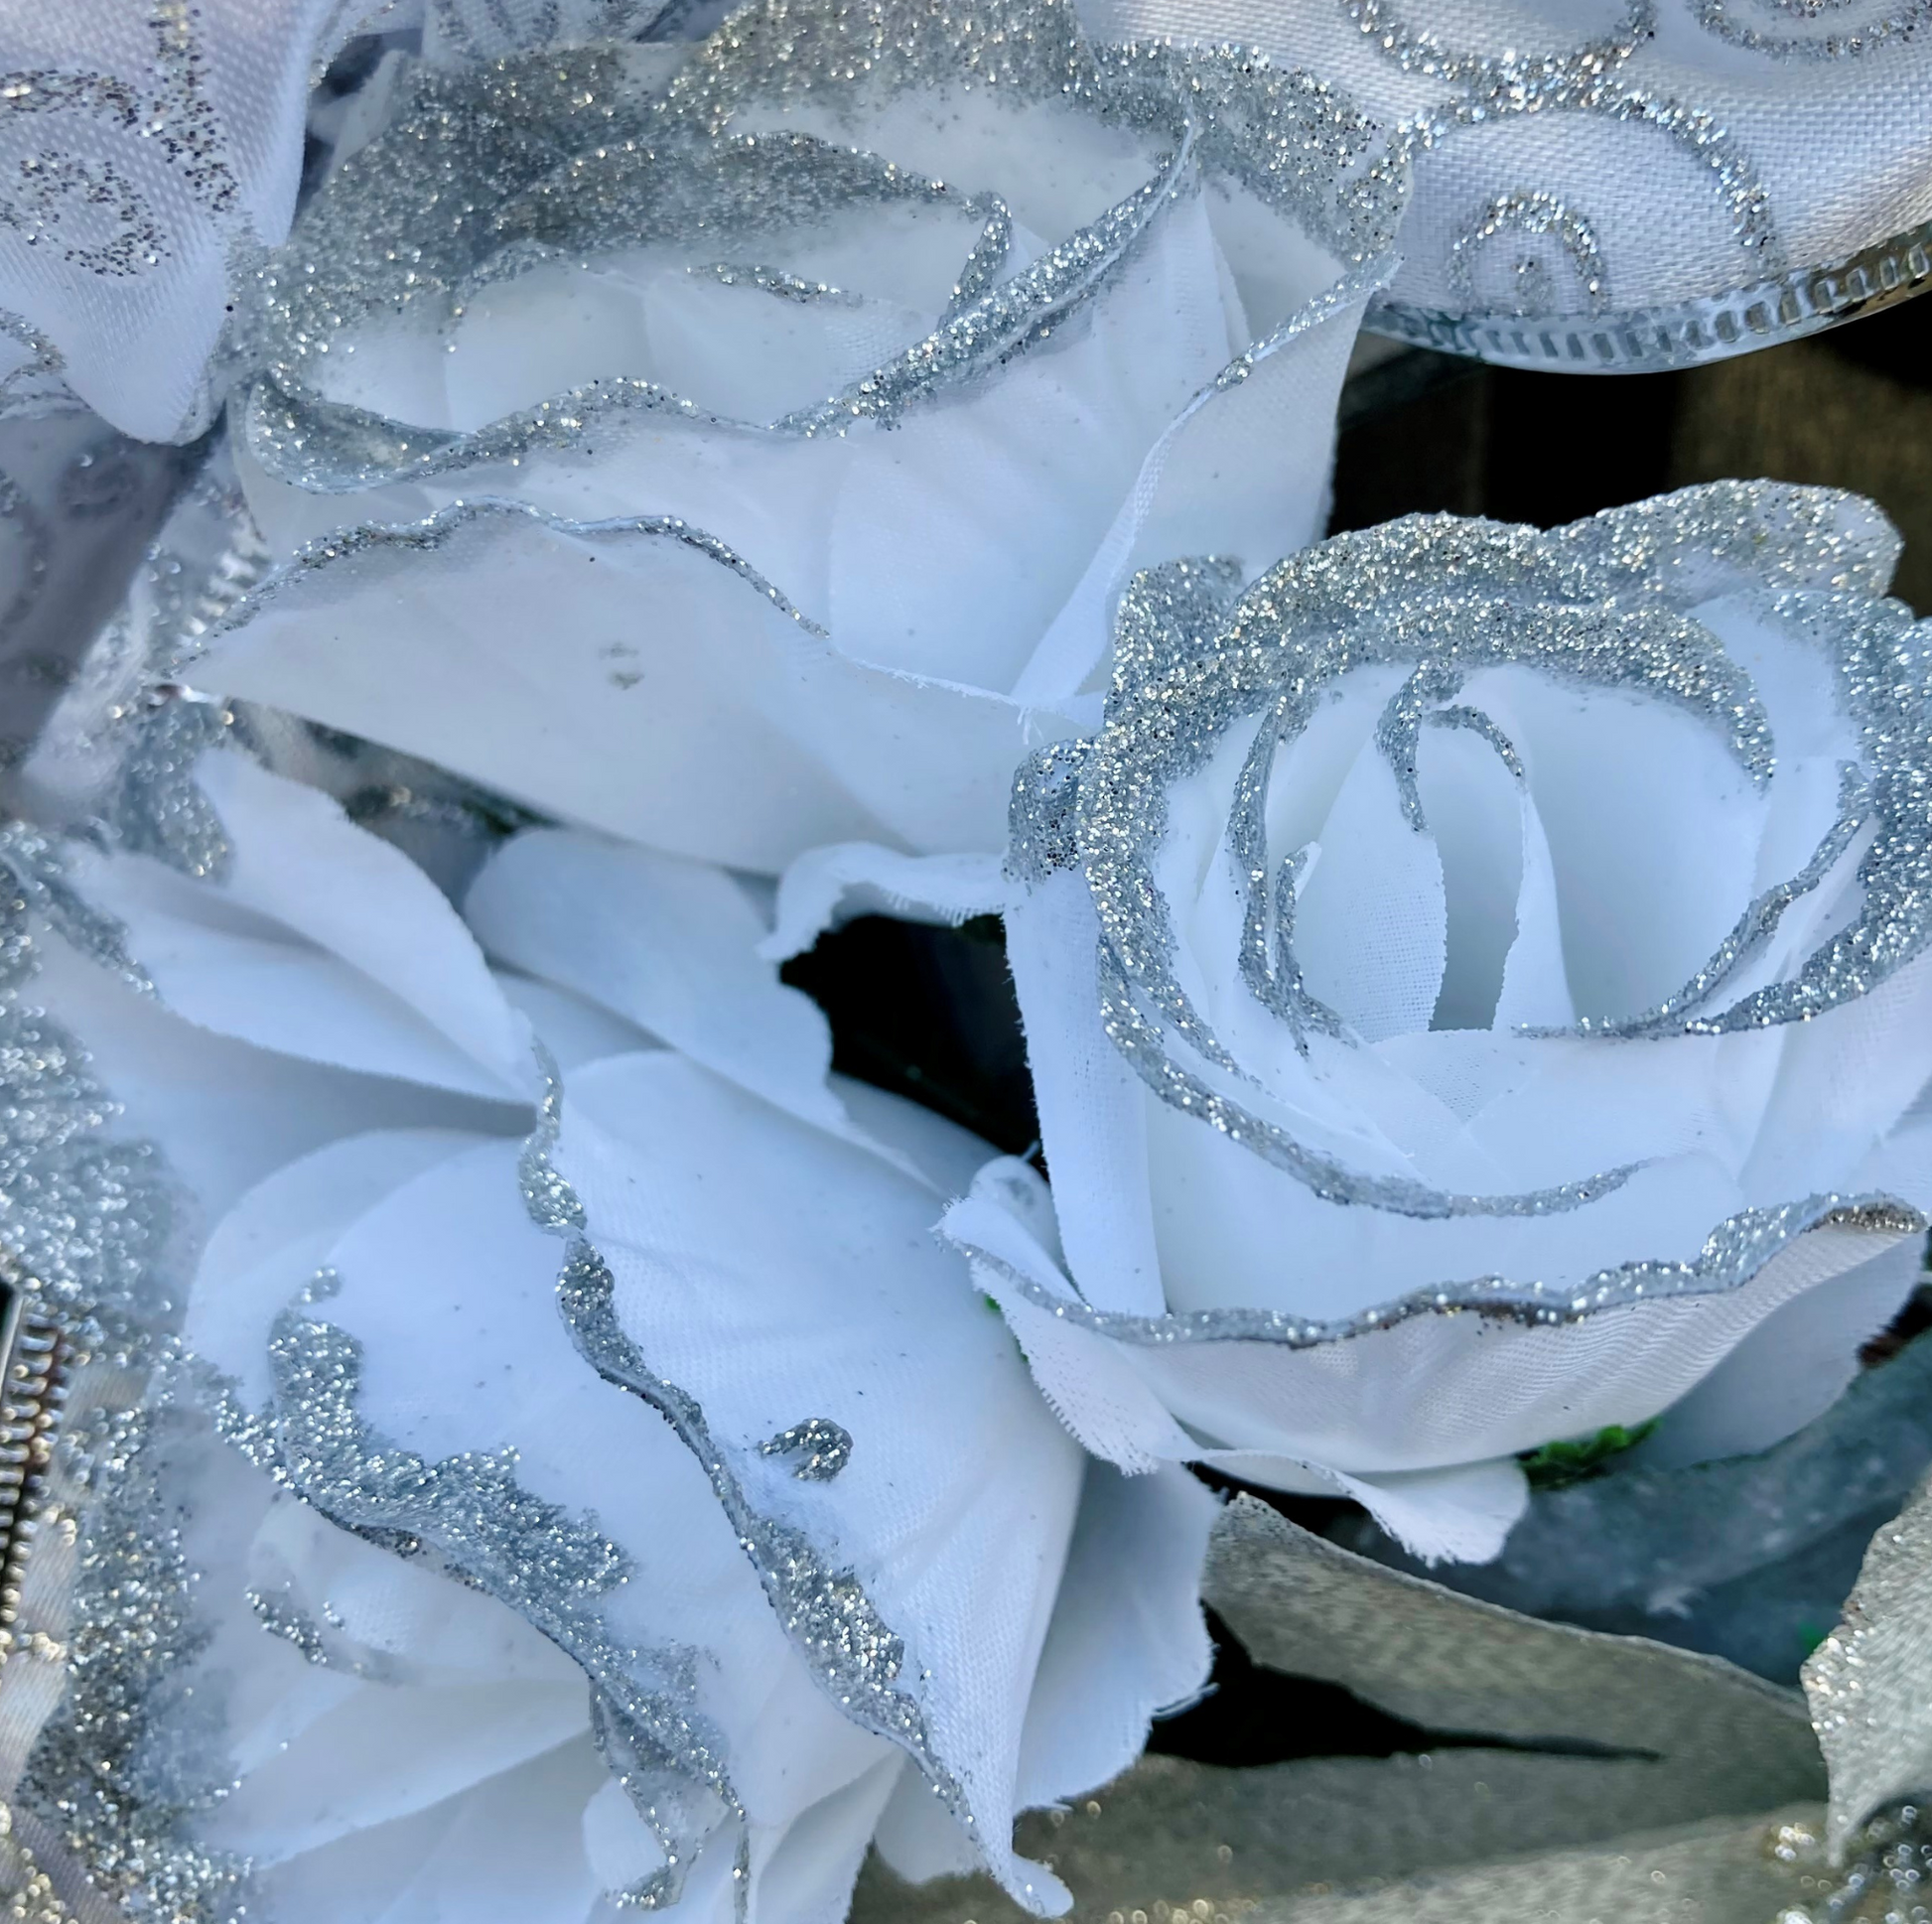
[
  {"x": 808, "y": 1875},
  {"x": 1128, "y": 1639},
  {"x": 571, "y": 907},
  {"x": 318, "y": 940},
  {"x": 270, "y": 1246},
  {"x": 733, "y": 752},
  {"x": 779, "y": 1277},
  {"x": 1091, "y": 1384},
  {"x": 1536, "y": 988},
  {"x": 1459, "y": 1515},
  {"x": 1033, "y": 471},
  {"x": 1425, "y": 1393},
  {"x": 917, "y": 1838},
  {"x": 1614, "y": 779},
  {"x": 1792, "y": 1367},
  {"x": 824, "y": 886},
  {"x": 1844, "y": 1081},
  {"x": 486, "y": 1858},
  {"x": 1370, "y": 927},
  {"x": 352, "y": 1767},
  {"x": 226, "y": 1114},
  {"x": 1091, "y": 1107}
]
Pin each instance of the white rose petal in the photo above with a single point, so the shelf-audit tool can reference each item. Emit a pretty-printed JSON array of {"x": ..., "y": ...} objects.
[
  {"x": 776, "y": 1482},
  {"x": 1477, "y": 993},
  {"x": 764, "y": 464}
]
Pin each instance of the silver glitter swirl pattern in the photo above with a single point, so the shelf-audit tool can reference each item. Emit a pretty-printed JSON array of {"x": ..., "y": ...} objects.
[
  {"x": 1728, "y": 21},
  {"x": 1418, "y": 50},
  {"x": 1525, "y": 210},
  {"x": 1592, "y": 78},
  {"x": 1699, "y": 133}
]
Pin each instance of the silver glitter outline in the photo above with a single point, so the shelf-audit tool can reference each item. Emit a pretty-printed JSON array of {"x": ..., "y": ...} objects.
[
  {"x": 95, "y": 1228},
  {"x": 328, "y": 447},
  {"x": 1694, "y": 130},
  {"x": 1418, "y": 50},
  {"x": 1142, "y": 1045},
  {"x": 484, "y": 1528},
  {"x": 1528, "y": 210},
  {"x": 437, "y": 532},
  {"x": 34, "y": 862},
  {"x": 1735, "y": 1252},
  {"x": 1177, "y": 719},
  {"x": 1715, "y": 17},
  {"x": 818, "y": 1449},
  {"x": 850, "y": 1651},
  {"x": 1101, "y": 806},
  {"x": 55, "y": 1112},
  {"x": 1219, "y": 103}
]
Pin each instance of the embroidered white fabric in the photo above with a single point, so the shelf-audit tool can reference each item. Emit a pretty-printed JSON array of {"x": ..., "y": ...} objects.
[
  {"x": 148, "y": 152},
  {"x": 1601, "y": 159}
]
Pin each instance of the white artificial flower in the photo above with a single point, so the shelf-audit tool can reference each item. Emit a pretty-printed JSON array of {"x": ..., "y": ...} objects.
[
  {"x": 1477, "y": 992},
  {"x": 745, "y": 455},
  {"x": 623, "y": 1488}
]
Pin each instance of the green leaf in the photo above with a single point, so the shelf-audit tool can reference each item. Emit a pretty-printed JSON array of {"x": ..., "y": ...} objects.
[{"x": 1556, "y": 1464}]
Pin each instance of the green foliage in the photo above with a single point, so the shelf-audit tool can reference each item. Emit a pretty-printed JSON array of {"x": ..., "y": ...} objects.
[{"x": 1557, "y": 1465}]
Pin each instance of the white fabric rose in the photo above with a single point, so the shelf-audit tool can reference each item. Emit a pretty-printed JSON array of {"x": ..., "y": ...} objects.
[
  {"x": 1476, "y": 986},
  {"x": 759, "y": 450},
  {"x": 775, "y": 1484}
]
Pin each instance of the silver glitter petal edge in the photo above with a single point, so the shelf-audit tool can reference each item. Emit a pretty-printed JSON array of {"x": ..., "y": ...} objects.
[
  {"x": 1610, "y": 602},
  {"x": 1733, "y": 1254},
  {"x": 112, "y": 1770},
  {"x": 479, "y": 1525},
  {"x": 580, "y": 158},
  {"x": 439, "y": 529},
  {"x": 92, "y": 1225},
  {"x": 850, "y": 1650}
]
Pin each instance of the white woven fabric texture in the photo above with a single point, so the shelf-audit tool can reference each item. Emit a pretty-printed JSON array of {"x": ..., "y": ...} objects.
[
  {"x": 147, "y": 149},
  {"x": 1585, "y": 157}
]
